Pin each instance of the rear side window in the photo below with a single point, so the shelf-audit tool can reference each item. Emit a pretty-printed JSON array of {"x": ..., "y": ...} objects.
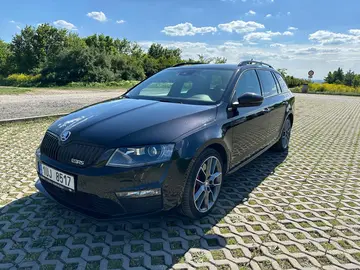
[
  {"x": 282, "y": 83},
  {"x": 248, "y": 82},
  {"x": 268, "y": 83}
]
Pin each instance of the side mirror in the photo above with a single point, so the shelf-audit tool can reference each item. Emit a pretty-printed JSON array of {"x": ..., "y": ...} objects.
[{"x": 249, "y": 100}]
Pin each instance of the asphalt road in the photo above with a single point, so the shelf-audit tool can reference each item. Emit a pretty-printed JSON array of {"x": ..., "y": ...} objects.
[{"x": 45, "y": 102}]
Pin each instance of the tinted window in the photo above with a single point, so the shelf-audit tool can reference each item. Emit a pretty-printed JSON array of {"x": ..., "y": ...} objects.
[
  {"x": 267, "y": 82},
  {"x": 182, "y": 85},
  {"x": 248, "y": 82},
  {"x": 282, "y": 83},
  {"x": 277, "y": 83},
  {"x": 186, "y": 87},
  {"x": 157, "y": 88}
]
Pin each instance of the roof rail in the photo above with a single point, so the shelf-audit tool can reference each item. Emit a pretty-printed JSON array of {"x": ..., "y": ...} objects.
[
  {"x": 187, "y": 63},
  {"x": 252, "y": 62}
]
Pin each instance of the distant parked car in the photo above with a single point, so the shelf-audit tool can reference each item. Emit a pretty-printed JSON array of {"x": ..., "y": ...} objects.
[{"x": 167, "y": 142}]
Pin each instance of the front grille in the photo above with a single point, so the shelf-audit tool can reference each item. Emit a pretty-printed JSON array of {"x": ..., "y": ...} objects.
[
  {"x": 51, "y": 147},
  {"x": 85, "y": 202}
]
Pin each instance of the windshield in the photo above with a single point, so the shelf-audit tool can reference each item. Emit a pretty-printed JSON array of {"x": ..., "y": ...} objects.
[{"x": 201, "y": 86}]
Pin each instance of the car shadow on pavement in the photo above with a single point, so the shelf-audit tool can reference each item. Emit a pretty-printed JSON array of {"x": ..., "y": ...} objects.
[{"x": 35, "y": 231}]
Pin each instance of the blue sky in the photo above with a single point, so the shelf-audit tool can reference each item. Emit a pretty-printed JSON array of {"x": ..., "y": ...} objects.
[{"x": 295, "y": 34}]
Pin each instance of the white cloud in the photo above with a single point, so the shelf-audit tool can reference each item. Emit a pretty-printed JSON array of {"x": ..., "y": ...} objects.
[
  {"x": 268, "y": 16},
  {"x": 268, "y": 35},
  {"x": 251, "y": 12},
  {"x": 355, "y": 32},
  {"x": 240, "y": 26},
  {"x": 120, "y": 21},
  {"x": 18, "y": 27},
  {"x": 233, "y": 44},
  {"x": 265, "y": 36},
  {"x": 297, "y": 58},
  {"x": 291, "y": 28},
  {"x": 97, "y": 15},
  {"x": 288, "y": 13},
  {"x": 313, "y": 51},
  {"x": 288, "y": 33},
  {"x": 329, "y": 38},
  {"x": 277, "y": 45},
  {"x": 64, "y": 24},
  {"x": 12, "y": 21},
  {"x": 187, "y": 29}
]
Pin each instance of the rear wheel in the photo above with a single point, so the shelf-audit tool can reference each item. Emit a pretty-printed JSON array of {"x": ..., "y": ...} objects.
[
  {"x": 203, "y": 184},
  {"x": 283, "y": 143}
]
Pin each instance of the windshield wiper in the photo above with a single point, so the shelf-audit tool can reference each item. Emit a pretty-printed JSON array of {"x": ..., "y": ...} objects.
[{"x": 170, "y": 101}]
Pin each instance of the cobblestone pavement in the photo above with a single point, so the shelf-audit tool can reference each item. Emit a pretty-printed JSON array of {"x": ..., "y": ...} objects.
[{"x": 300, "y": 210}]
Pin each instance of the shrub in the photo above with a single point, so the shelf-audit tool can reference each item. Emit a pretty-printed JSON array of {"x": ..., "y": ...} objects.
[
  {"x": 21, "y": 79},
  {"x": 327, "y": 88},
  {"x": 333, "y": 88}
]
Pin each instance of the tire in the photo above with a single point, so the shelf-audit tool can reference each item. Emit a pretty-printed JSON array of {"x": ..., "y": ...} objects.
[
  {"x": 208, "y": 187},
  {"x": 282, "y": 144}
]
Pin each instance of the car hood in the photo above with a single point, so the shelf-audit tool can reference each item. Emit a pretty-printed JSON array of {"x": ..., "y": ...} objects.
[{"x": 125, "y": 122}]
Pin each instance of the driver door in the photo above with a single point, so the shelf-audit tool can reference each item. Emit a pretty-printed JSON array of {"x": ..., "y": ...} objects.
[{"x": 247, "y": 123}]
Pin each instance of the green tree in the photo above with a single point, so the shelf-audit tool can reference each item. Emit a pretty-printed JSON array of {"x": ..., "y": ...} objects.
[
  {"x": 349, "y": 78},
  {"x": 74, "y": 41},
  {"x": 356, "y": 81},
  {"x": 220, "y": 60},
  {"x": 23, "y": 49},
  {"x": 329, "y": 78},
  {"x": 34, "y": 47},
  {"x": 5, "y": 54},
  {"x": 283, "y": 72},
  {"x": 339, "y": 76}
]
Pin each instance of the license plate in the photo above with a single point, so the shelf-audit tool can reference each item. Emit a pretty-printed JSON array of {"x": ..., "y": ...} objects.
[{"x": 56, "y": 177}]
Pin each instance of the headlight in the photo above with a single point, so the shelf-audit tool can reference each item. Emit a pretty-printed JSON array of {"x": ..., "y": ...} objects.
[{"x": 140, "y": 156}]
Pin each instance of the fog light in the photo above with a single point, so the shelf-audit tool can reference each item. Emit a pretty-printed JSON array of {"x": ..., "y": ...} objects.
[{"x": 139, "y": 193}]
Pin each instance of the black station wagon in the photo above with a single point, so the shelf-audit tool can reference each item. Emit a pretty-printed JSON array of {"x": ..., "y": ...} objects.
[{"x": 166, "y": 143}]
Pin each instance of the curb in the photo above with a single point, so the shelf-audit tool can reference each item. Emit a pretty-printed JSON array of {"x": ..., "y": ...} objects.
[{"x": 2, "y": 121}]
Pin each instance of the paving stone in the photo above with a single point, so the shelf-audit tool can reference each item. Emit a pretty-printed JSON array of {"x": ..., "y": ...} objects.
[{"x": 282, "y": 211}]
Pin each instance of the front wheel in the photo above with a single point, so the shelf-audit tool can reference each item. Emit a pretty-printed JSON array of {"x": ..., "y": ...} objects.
[
  {"x": 203, "y": 185},
  {"x": 283, "y": 143}
]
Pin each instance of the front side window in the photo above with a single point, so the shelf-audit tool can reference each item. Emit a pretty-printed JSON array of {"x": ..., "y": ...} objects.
[
  {"x": 282, "y": 83},
  {"x": 268, "y": 83},
  {"x": 248, "y": 83},
  {"x": 185, "y": 85}
]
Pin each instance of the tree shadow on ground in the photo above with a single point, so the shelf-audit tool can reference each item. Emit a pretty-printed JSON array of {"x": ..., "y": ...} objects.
[{"x": 37, "y": 231}]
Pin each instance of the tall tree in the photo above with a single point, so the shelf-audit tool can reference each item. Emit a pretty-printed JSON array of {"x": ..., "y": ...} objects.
[
  {"x": 329, "y": 78},
  {"x": 33, "y": 47},
  {"x": 4, "y": 58},
  {"x": 339, "y": 76},
  {"x": 349, "y": 78}
]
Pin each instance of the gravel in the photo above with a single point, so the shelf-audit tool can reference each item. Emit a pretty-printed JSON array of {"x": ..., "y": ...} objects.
[{"x": 46, "y": 102}]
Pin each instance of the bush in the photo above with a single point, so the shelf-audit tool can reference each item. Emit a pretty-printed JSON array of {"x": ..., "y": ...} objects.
[
  {"x": 333, "y": 88},
  {"x": 22, "y": 80},
  {"x": 327, "y": 88}
]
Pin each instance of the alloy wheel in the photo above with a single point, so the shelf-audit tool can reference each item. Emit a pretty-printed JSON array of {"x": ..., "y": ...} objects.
[
  {"x": 207, "y": 184},
  {"x": 285, "y": 137}
]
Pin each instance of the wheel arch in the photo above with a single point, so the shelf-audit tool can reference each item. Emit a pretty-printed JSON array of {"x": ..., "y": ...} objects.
[
  {"x": 219, "y": 146},
  {"x": 291, "y": 117}
]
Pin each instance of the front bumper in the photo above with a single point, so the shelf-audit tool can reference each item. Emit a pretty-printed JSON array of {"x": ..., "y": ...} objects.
[{"x": 97, "y": 189}]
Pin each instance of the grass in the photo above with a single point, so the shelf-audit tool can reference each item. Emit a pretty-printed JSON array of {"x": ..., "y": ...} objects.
[
  {"x": 14, "y": 90},
  {"x": 123, "y": 85}
]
